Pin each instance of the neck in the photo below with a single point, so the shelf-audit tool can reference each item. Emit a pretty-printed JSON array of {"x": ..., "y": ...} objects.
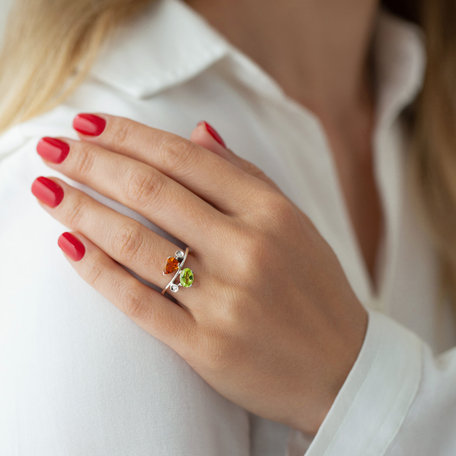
[{"x": 317, "y": 50}]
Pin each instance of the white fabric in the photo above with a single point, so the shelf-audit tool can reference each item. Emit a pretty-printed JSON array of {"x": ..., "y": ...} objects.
[{"x": 77, "y": 377}]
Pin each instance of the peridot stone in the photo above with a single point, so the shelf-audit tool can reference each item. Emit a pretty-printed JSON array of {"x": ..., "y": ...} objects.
[{"x": 186, "y": 277}]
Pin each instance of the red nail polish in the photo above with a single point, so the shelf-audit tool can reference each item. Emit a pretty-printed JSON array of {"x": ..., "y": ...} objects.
[
  {"x": 71, "y": 245},
  {"x": 52, "y": 149},
  {"x": 213, "y": 132},
  {"x": 89, "y": 124},
  {"x": 47, "y": 191}
]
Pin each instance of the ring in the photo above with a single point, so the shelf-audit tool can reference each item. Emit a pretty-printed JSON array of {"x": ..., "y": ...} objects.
[{"x": 174, "y": 264}]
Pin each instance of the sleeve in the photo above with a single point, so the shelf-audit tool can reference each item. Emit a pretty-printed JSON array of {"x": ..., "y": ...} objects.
[{"x": 398, "y": 399}]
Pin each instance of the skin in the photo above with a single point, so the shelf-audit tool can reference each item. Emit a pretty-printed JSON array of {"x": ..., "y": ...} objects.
[
  {"x": 318, "y": 51},
  {"x": 276, "y": 343}
]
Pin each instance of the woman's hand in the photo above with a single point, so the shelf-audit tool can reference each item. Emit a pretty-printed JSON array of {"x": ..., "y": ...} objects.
[{"x": 270, "y": 321}]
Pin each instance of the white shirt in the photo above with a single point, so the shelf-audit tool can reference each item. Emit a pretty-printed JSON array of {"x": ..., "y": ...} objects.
[{"x": 77, "y": 377}]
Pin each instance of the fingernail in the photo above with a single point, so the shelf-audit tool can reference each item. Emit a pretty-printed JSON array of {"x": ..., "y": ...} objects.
[
  {"x": 89, "y": 124},
  {"x": 71, "y": 245},
  {"x": 52, "y": 149},
  {"x": 213, "y": 132},
  {"x": 47, "y": 191}
]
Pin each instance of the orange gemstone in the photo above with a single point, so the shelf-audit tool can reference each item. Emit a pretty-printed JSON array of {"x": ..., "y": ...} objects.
[{"x": 171, "y": 265}]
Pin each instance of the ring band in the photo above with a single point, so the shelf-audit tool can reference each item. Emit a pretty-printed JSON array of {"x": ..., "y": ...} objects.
[{"x": 174, "y": 264}]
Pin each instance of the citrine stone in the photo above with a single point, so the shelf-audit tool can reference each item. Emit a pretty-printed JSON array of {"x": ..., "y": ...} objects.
[
  {"x": 186, "y": 277},
  {"x": 172, "y": 264}
]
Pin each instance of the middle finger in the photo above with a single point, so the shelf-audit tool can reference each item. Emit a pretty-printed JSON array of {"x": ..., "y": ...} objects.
[{"x": 140, "y": 187}]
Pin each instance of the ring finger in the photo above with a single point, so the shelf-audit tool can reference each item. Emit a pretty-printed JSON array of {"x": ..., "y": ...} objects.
[
  {"x": 169, "y": 322},
  {"x": 122, "y": 238}
]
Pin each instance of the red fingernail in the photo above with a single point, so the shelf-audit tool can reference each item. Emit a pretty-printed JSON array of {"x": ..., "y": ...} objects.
[
  {"x": 71, "y": 245},
  {"x": 213, "y": 132},
  {"x": 52, "y": 149},
  {"x": 47, "y": 191},
  {"x": 89, "y": 124}
]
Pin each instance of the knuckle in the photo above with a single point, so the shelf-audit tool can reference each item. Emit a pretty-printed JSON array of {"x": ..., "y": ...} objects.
[
  {"x": 132, "y": 302},
  {"x": 248, "y": 255},
  {"x": 177, "y": 154},
  {"x": 121, "y": 131},
  {"x": 75, "y": 213},
  {"x": 143, "y": 187},
  {"x": 278, "y": 209},
  {"x": 275, "y": 202},
  {"x": 127, "y": 241},
  {"x": 93, "y": 273},
  {"x": 84, "y": 159}
]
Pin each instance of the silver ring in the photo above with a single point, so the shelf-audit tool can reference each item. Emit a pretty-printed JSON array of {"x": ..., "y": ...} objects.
[{"x": 175, "y": 264}]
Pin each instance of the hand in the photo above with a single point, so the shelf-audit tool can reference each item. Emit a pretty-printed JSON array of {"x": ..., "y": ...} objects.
[{"x": 270, "y": 321}]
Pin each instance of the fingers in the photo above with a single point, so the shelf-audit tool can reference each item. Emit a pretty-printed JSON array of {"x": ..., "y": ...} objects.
[
  {"x": 216, "y": 180},
  {"x": 125, "y": 240},
  {"x": 155, "y": 313},
  {"x": 138, "y": 186}
]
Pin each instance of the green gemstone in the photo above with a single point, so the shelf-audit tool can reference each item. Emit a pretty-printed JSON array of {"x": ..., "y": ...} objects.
[{"x": 186, "y": 277}]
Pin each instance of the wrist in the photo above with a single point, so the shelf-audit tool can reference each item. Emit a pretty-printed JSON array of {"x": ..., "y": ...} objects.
[{"x": 341, "y": 366}]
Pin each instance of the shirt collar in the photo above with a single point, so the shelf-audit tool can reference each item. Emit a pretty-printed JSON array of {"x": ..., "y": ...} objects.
[
  {"x": 167, "y": 44},
  {"x": 400, "y": 62},
  {"x": 171, "y": 43}
]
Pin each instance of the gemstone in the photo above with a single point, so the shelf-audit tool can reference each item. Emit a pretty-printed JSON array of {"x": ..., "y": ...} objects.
[
  {"x": 186, "y": 277},
  {"x": 172, "y": 265},
  {"x": 174, "y": 288},
  {"x": 179, "y": 255}
]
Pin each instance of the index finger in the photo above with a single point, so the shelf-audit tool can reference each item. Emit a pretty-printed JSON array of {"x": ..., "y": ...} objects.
[{"x": 206, "y": 174}]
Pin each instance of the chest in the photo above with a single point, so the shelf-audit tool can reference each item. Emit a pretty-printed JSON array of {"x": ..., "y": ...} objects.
[
  {"x": 352, "y": 157},
  {"x": 363, "y": 206}
]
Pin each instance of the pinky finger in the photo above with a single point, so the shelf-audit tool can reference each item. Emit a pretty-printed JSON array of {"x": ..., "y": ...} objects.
[{"x": 156, "y": 314}]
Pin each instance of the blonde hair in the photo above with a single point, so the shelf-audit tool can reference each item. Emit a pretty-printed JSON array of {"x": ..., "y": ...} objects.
[
  {"x": 50, "y": 46},
  {"x": 431, "y": 121}
]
